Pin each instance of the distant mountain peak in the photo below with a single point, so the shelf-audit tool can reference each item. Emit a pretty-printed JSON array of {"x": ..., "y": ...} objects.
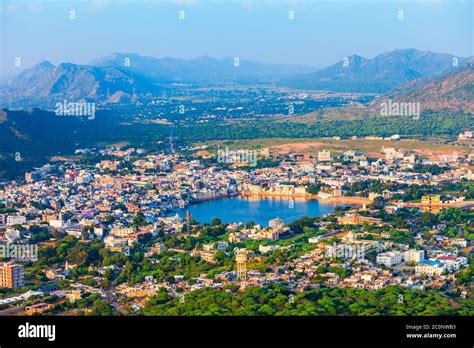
[
  {"x": 379, "y": 74},
  {"x": 45, "y": 86},
  {"x": 45, "y": 64},
  {"x": 206, "y": 58},
  {"x": 406, "y": 50},
  {"x": 202, "y": 69}
]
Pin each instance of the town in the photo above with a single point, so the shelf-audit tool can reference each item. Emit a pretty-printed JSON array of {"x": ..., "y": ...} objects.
[{"x": 100, "y": 233}]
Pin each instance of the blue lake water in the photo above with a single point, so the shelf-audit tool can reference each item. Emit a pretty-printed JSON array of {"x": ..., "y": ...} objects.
[{"x": 261, "y": 210}]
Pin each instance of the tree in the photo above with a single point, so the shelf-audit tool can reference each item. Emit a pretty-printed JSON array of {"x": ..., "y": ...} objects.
[
  {"x": 101, "y": 307},
  {"x": 378, "y": 202},
  {"x": 216, "y": 222},
  {"x": 38, "y": 234},
  {"x": 139, "y": 220},
  {"x": 86, "y": 232},
  {"x": 220, "y": 256},
  {"x": 109, "y": 219},
  {"x": 428, "y": 219}
]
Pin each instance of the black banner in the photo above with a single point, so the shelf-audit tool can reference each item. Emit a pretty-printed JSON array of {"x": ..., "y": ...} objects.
[{"x": 241, "y": 331}]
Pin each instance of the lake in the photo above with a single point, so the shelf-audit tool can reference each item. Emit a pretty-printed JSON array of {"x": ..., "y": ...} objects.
[{"x": 260, "y": 210}]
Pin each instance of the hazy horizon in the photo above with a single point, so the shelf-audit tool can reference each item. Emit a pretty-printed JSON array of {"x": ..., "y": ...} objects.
[{"x": 319, "y": 34}]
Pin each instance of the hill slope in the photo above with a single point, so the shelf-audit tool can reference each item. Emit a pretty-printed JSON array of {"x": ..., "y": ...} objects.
[
  {"x": 380, "y": 74},
  {"x": 454, "y": 92},
  {"x": 45, "y": 84}
]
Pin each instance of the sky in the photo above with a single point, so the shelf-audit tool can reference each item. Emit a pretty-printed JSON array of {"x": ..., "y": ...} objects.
[{"x": 320, "y": 33}]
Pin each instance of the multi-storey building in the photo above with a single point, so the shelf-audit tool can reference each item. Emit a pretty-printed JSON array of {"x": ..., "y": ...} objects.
[
  {"x": 431, "y": 199},
  {"x": 428, "y": 267},
  {"x": 414, "y": 255},
  {"x": 389, "y": 258},
  {"x": 11, "y": 276},
  {"x": 15, "y": 220},
  {"x": 356, "y": 219}
]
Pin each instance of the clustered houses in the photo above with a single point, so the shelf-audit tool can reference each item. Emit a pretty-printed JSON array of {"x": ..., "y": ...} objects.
[
  {"x": 297, "y": 171},
  {"x": 105, "y": 199},
  {"x": 301, "y": 273},
  {"x": 385, "y": 270},
  {"x": 77, "y": 196}
]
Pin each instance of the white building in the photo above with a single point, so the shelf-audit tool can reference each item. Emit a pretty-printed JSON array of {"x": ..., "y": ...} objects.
[
  {"x": 120, "y": 231},
  {"x": 314, "y": 240},
  {"x": 12, "y": 234},
  {"x": 56, "y": 223},
  {"x": 414, "y": 255},
  {"x": 15, "y": 220},
  {"x": 324, "y": 156},
  {"x": 452, "y": 263},
  {"x": 112, "y": 241},
  {"x": 466, "y": 135},
  {"x": 74, "y": 230},
  {"x": 392, "y": 154},
  {"x": 389, "y": 258},
  {"x": 428, "y": 267},
  {"x": 276, "y": 223},
  {"x": 99, "y": 232}
]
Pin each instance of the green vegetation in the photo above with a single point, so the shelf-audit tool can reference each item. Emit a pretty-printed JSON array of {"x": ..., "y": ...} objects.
[
  {"x": 323, "y": 301},
  {"x": 430, "y": 123}
]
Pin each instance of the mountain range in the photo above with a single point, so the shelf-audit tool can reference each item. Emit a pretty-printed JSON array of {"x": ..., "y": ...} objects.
[
  {"x": 121, "y": 77},
  {"x": 45, "y": 83},
  {"x": 203, "y": 69},
  {"x": 380, "y": 74}
]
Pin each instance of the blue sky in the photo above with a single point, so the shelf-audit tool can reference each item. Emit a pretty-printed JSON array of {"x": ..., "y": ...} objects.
[{"x": 321, "y": 33}]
